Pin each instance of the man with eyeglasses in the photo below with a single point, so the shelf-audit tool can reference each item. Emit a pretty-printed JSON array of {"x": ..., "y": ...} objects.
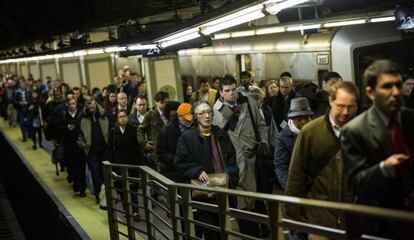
[
  {"x": 378, "y": 151},
  {"x": 316, "y": 168}
]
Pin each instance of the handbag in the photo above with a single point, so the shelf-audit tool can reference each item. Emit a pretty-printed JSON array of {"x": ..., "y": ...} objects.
[{"x": 214, "y": 180}]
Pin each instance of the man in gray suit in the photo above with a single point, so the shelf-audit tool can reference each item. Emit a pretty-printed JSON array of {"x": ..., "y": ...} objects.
[{"x": 378, "y": 150}]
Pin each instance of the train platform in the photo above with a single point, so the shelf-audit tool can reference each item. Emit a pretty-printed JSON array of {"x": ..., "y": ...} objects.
[{"x": 84, "y": 211}]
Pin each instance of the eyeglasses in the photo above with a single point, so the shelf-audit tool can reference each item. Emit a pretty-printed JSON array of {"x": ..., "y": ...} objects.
[
  {"x": 203, "y": 113},
  {"x": 341, "y": 107}
]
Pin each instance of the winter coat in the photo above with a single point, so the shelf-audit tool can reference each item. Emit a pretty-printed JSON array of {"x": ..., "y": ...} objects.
[
  {"x": 123, "y": 147},
  {"x": 244, "y": 141},
  {"x": 312, "y": 143},
  {"x": 285, "y": 141},
  {"x": 150, "y": 127},
  {"x": 86, "y": 127},
  {"x": 193, "y": 155},
  {"x": 167, "y": 146}
]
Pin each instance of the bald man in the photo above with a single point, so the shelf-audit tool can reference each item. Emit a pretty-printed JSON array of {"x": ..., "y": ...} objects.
[{"x": 122, "y": 104}]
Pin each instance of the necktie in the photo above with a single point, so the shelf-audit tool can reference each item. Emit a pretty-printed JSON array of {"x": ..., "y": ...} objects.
[{"x": 397, "y": 138}]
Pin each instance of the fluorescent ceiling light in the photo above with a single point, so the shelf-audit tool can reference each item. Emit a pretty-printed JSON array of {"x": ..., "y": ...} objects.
[
  {"x": 95, "y": 51},
  {"x": 270, "y": 30},
  {"x": 80, "y": 53},
  {"x": 274, "y": 8},
  {"x": 303, "y": 27},
  {"x": 142, "y": 47},
  {"x": 180, "y": 40},
  {"x": 229, "y": 17},
  {"x": 241, "y": 48},
  {"x": 344, "y": 23},
  {"x": 382, "y": 19},
  {"x": 221, "y": 49},
  {"x": 66, "y": 55},
  {"x": 243, "y": 33},
  {"x": 233, "y": 22},
  {"x": 263, "y": 47},
  {"x": 114, "y": 49},
  {"x": 287, "y": 46},
  {"x": 221, "y": 36},
  {"x": 180, "y": 34}
]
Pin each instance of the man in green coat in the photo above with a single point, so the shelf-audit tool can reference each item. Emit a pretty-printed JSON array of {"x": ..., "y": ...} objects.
[{"x": 316, "y": 167}]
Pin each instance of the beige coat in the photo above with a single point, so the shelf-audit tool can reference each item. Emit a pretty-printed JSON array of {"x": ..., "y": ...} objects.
[{"x": 244, "y": 141}]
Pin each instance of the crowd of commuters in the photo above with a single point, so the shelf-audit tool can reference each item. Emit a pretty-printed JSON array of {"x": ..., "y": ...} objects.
[{"x": 299, "y": 139}]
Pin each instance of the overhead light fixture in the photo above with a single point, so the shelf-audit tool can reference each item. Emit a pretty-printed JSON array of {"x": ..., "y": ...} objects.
[
  {"x": 243, "y": 33},
  {"x": 67, "y": 55},
  {"x": 382, "y": 19},
  {"x": 303, "y": 27},
  {"x": 237, "y": 14},
  {"x": 344, "y": 23},
  {"x": 180, "y": 34},
  {"x": 275, "y": 8},
  {"x": 287, "y": 46},
  {"x": 80, "y": 53},
  {"x": 218, "y": 36},
  {"x": 95, "y": 51},
  {"x": 233, "y": 22},
  {"x": 142, "y": 47},
  {"x": 114, "y": 49},
  {"x": 270, "y": 30},
  {"x": 180, "y": 40}
]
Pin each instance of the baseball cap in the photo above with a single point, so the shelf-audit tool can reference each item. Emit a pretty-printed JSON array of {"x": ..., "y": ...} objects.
[{"x": 184, "y": 110}]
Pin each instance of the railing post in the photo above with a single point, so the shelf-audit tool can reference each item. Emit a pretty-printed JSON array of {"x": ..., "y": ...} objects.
[
  {"x": 147, "y": 203},
  {"x": 188, "y": 213},
  {"x": 107, "y": 174},
  {"x": 174, "y": 208},
  {"x": 127, "y": 199},
  {"x": 224, "y": 218},
  {"x": 274, "y": 211}
]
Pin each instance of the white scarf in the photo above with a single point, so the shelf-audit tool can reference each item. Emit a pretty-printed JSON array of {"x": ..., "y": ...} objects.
[{"x": 292, "y": 127}]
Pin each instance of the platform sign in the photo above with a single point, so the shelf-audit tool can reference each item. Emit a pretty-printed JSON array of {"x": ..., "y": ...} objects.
[
  {"x": 154, "y": 52},
  {"x": 404, "y": 17}
]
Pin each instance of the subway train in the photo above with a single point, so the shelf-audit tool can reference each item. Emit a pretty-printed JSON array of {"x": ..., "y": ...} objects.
[{"x": 347, "y": 50}]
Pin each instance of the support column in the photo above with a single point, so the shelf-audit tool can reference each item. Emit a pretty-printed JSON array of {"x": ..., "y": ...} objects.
[
  {"x": 163, "y": 74},
  {"x": 82, "y": 69}
]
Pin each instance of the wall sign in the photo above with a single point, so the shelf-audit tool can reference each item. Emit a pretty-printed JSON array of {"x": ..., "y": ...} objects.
[{"x": 322, "y": 59}]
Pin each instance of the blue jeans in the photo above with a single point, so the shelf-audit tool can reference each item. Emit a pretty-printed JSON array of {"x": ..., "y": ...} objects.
[{"x": 24, "y": 123}]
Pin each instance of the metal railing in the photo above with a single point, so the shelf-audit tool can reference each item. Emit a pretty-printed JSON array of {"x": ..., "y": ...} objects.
[{"x": 175, "y": 220}]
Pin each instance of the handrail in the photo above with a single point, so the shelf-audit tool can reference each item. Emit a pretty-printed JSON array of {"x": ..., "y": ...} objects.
[{"x": 273, "y": 218}]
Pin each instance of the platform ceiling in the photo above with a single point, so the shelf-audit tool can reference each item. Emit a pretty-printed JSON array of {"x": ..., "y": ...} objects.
[{"x": 26, "y": 21}]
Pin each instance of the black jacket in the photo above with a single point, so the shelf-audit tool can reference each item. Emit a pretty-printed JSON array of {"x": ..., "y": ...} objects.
[
  {"x": 366, "y": 142},
  {"x": 280, "y": 107},
  {"x": 69, "y": 137},
  {"x": 167, "y": 145},
  {"x": 193, "y": 156},
  {"x": 123, "y": 148}
]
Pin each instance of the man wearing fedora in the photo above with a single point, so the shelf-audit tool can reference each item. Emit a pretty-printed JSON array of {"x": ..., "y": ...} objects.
[
  {"x": 299, "y": 114},
  {"x": 316, "y": 167}
]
